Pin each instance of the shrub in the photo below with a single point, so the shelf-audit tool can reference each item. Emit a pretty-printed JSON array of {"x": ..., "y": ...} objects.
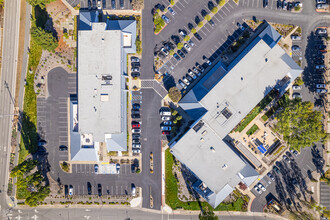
[
  {"x": 222, "y": 3},
  {"x": 179, "y": 45},
  {"x": 193, "y": 30},
  {"x": 174, "y": 113},
  {"x": 208, "y": 17},
  {"x": 171, "y": 52},
  {"x": 214, "y": 10},
  {"x": 186, "y": 38},
  {"x": 174, "y": 94},
  {"x": 299, "y": 81},
  {"x": 172, "y": 2},
  {"x": 200, "y": 24}
]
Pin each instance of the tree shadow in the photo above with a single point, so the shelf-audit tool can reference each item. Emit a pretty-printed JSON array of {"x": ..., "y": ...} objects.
[
  {"x": 168, "y": 81},
  {"x": 29, "y": 133},
  {"x": 317, "y": 160},
  {"x": 44, "y": 21}
]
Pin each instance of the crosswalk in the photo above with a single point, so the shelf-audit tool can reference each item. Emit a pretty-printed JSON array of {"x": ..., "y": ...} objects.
[{"x": 156, "y": 86}]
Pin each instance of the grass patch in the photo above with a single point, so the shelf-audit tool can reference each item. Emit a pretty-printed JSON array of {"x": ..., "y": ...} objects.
[
  {"x": 171, "y": 189},
  {"x": 159, "y": 23},
  {"x": 255, "y": 111},
  {"x": 252, "y": 130}
]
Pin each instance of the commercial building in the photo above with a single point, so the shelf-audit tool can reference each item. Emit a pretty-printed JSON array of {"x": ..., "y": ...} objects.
[
  {"x": 220, "y": 100},
  {"x": 99, "y": 114}
]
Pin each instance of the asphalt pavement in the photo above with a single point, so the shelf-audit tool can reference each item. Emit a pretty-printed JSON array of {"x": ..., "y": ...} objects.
[{"x": 7, "y": 89}]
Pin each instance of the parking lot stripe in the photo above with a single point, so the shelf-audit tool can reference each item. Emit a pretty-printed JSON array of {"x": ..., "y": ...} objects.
[
  {"x": 223, "y": 12},
  {"x": 225, "y": 8},
  {"x": 176, "y": 7},
  {"x": 228, "y": 3},
  {"x": 206, "y": 28}
]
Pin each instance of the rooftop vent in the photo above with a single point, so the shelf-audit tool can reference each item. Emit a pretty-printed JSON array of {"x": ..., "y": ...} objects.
[
  {"x": 204, "y": 132},
  {"x": 198, "y": 126},
  {"x": 212, "y": 149},
  {"x": 226, "y": 112},
  {"x": 224, "y": 166}
]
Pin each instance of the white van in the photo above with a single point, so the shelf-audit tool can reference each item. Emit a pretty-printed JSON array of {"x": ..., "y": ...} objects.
[{"x": 167, "y": 113}]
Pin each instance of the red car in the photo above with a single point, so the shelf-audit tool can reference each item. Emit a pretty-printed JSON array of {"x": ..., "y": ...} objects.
[
  {"x": 135, "y": 125},
  {"x": 166, "y": 132}
]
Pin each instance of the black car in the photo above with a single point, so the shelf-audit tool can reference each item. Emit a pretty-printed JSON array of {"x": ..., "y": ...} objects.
[
  {"x": 275, "y": 168},
  {"x": 290, "y": 6},
  {"x": 136, "y": 106},
  {"x": 89, "y": 5},
  {"x": 63, "y": 148},
  {"x": 89, "y": 188},
  {"x": 265, "y": 3},
  {"x": 66, "y": 190},
  {"x": 135, "y": 111},
  {"x": 99, "y": 189},
  {"x": 113, "y": 4},
  {"x": 279, "y": 4},
  {"x": 136, "y": 136},
  {"x": 176, "y": 56},
  {"x": 203, "y": 12},
  {"x": 211, "y": 22},
  {"x": 175, "y": 39},
  {"x": 198, "y": 36},
  {"x": 184, "y": 50},
  {"x": 121, "y": 2},
  {"x": 136, "y": 64},
  {"x": 135, "y": 74},
  {"x": 181, "y": 54},
  {"x": 135, "y": 115}
]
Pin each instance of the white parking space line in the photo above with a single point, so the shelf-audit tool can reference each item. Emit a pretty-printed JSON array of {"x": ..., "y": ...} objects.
[
  {"x": 176, "y": 7},
  {"x": 202, "y": 31},
  {"x": 215, "y": 18},
  {"x": 206, "y": 28},
  {"x": 225, "y": 7},
  {"x": 186, "y": 2}
]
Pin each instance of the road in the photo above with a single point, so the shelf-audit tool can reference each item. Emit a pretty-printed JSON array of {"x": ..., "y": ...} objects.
[
  {"x": 117, "y": 214},
  {"x": 7, "y": 89}
]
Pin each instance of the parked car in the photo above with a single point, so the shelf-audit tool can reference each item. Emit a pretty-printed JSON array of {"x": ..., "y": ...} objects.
[
  {"x": 166, "y": 19},
  {"x": 133, "y": 190},
  {"x": 295, "y": 37},
  {"x": 187, "y": 46},
  {"x": 164, "y": 113},
  {"x": 184, "y": 86},
  {"x": 70, "y": 190},
  {"x": 176, "y": 56},
  {"x": 99, "y": 189},
  {"x": 136, "y": 106},
  {"x": 286, "y": 159},
  {"x": 256, "y": 188},
  {"x": 271, "y": 176},
  {"x": 200, "y": 67},
  {"x": 208, "y": 62},
  {"x": 321, "y": 31},
  {"x": 198, "y": 36},
  {"x": 167, "y": 123},
  {"x": 135, "y": 59},
  {"x": 285, "y": 4},
  {"x": 296, "y": 95},
  {"x": 166, "y": 118},
  {"x": 240, "y": 26},
  {"x": 136, "y": 130},
  {"x": 279, "y": 4},
  {"x": 265, "y": 3},
  {"x": 186, "y": 81},
  {"x": 99, "y": 6},
  {"x": 113, "y": 4},
  {"x": 295, "y": 48},
  {"x": 135, "y": 141},
  {"x": 319, "y": 86},
  {"x": 191, "y": 43},
  {"x": 135, "y": 69},
  {"x": 135, "y": 74},
  {"x": 136, "y": 116},
  {"x": 166, "y": 128},
  {"x": 211, "y": 22},
  {"x": 196, "y": 71},
  {"x": 295, "y": 153},
  {"x": 136, "y": 145},
  {"x": 191, "y": 74},
  {"x": 183, "y": 33},
  {"x": 189, "y": 78},
  {"x": 136, "y": 136},
  {"x": 136, "y": 151},
  {"x": 276, "y": 169},
  {"x": 171, "y": 10},
  {"x": 261, "y": 187},
  {"x": 321, "y": 6},
  {"x": 184, "y": 50},
  {"x": 135, "y": 111},
  {"x": 181, "y": 54},
  {"x": 321, "y": 91},
  {"x": 96, "y": 168},
  {"x": 135, "y": 125},
  {"x": 321, "y": 1},
  {"x": 290, "y": 6},
  {"x": 289, "y": 155},
  {"x": 295, "y": 87},
  {"x": 42, "y": 143},
  {"x": 135, "y": 64},
  {"x": 165, "y": 132},
  {"x": 63, "y": 148},
  {"x": 89, "y": 188},
  {"x": 164, "y": 51},
  {"x": 319, "y": 67}
]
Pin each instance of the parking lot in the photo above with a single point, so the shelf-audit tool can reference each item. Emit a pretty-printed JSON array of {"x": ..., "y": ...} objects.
[
  {"x": 282, "y": 187},
  {"x": 106, "y": 4}
]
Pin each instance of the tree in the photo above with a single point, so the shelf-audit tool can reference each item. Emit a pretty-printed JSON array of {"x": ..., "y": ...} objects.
[
  {"x": 174, "y": 113},
  {"x": 39, "y": 196},
  {"x": 193, "y": 30},
  {"x": 171, "y": 52},
  {"x": 23, "y": 168},
  {"x": 43, "y": 38},
  {"x": 200, "y": 24},
  {"x": 138, "y": 4},
  {"x": 179, "y": 117},
  {"x": 174, "y": 94},
  {"x": 207, "y": 215},
  {"x": 300, "y": 125},
  {"x": 299, "y": 81},
  {"x": 179, "y": 45},
  {"x": 186, "y": 38},
  {"x": 40, "y": 3},
  {"x": 172, "y": 2},
  {"x": 222, "y": 2},
  {"x": 214, "y": 10},
  {"x": 208, "y": 17}
]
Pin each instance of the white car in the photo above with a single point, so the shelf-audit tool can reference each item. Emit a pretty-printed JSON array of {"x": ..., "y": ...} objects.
[
  {"x": 192, "y": 75},
  {"x": 296, "y": 87},
  {"x": 70, "y": 190},
  {"x": 136, "y": 151},
  {"x": 256, "y": 188},
  {"x": 137, "y": 130},
  {"x": 136, "y": 145},
  {"x": 135, "y": 59},
  {"x": 320, "y": 86},
  {"x": 166, "y": 113},
  {"x": 319, "y": 67},
  {"x": 99, "y": 5},
  {"x": 167, "y": 123},
  {"x": 186, "y": 81},
  {"x": 171, "y": 10},
  {"x": 166, "y": 118},
  {"x": 321, "y": 90},
  {"x": 184, "y": 86},
  {"x": 295, "y": 37},
  {"x": 296, "y": 95},
  {"x": 196, "y": 71},
  {"x": 209, "y": 62},
  {"x": 321, "y": 31},
  {"x": 261, "y": 187},
  {"x": 133, "y": 190},
  {"x": 187, "y": 46},
  {"x": 164, "y": 51}
]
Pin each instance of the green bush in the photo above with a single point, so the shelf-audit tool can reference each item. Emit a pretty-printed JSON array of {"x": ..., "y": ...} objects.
[
  {"x": 222, "y": 3},
  {"x": 43, "y": 38},
  {"x": 214, "y": 10},
  {"x": 179, "y": 45},
  {"x": 208, "y": 17},
  {"x": 186, "y": 38},
  {"x": 193, "y": 30},
  {"x": 200, "y": 24},
  {"x": 172, "y": 2},
  {"x": 252, "y": 130},
  {"x": 171, "y": 52}
]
